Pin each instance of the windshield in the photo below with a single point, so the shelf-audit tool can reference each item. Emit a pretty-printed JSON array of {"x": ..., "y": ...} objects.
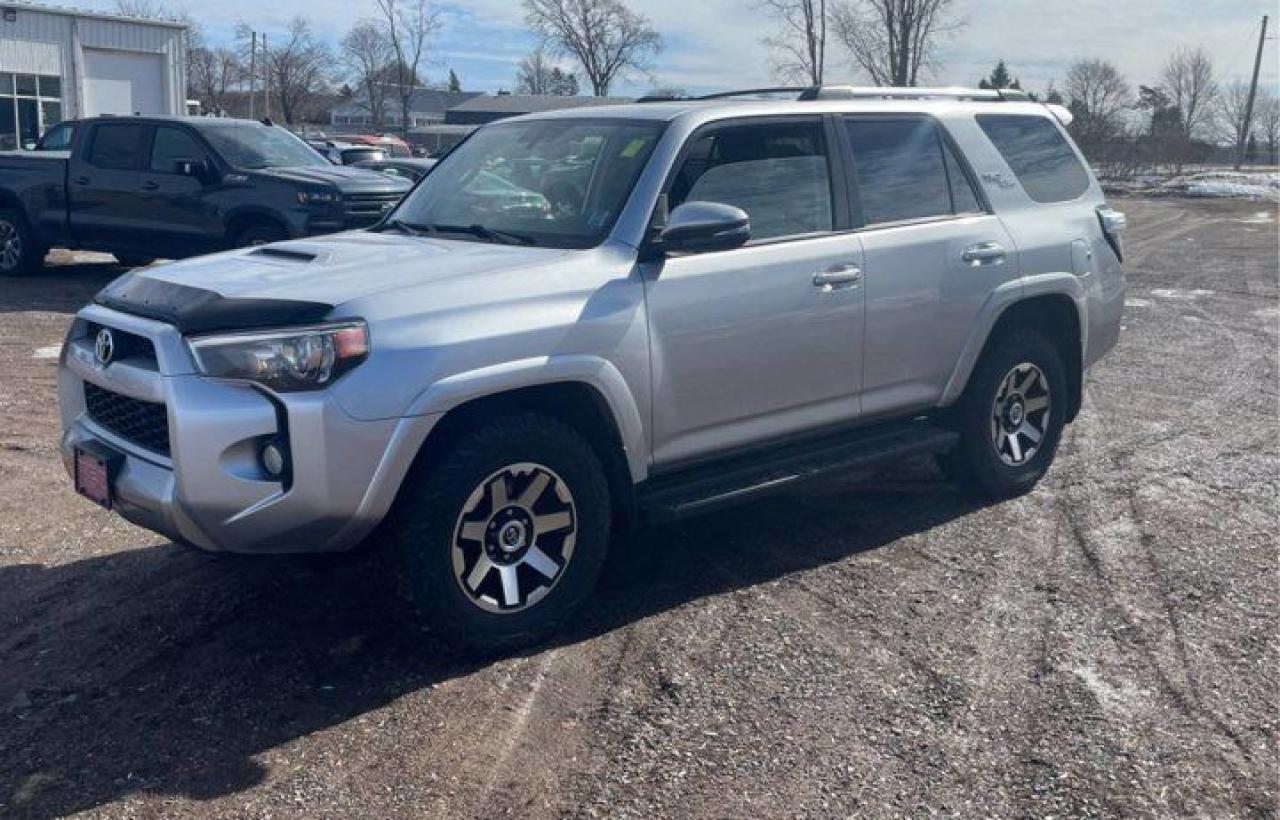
[
  {"x": 260, "y": 146},
  {"x": 558, "y": 183}
]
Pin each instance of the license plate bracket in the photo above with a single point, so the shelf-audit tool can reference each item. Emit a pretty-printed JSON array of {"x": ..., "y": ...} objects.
[{"x": 96, "y": 468}]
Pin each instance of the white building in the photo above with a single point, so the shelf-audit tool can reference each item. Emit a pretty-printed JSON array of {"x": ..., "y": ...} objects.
[{"x": 59, "y": 63}]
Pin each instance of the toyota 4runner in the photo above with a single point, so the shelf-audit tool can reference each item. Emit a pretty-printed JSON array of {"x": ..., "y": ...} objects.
[{"x": 580, "y": 320}]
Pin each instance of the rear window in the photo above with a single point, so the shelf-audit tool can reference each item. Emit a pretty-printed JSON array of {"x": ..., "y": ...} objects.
[{"x": 1038, "y": 154}]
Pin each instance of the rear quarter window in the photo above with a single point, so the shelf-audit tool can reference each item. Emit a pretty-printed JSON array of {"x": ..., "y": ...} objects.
[{"x": 1038, "y": 154}]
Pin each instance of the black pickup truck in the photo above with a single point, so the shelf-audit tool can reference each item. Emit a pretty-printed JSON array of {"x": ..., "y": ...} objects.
[{"x": 148, "y": 187}]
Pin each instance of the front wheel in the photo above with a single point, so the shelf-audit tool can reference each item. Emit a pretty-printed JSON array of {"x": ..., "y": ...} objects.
[
  {"x": 1010, "y": 417},
  {"x": 262, "y": 234},
  {"x": 503, "y": 538}
]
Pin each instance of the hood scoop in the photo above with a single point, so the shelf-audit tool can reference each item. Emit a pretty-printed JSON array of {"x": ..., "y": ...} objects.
[{"x": 284, "y": 254}]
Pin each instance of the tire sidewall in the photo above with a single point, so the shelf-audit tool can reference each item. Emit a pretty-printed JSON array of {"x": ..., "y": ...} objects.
[
  {"x": 978, "y": 460},
  {"x": 425, "y": 525},
  {"x": 259, "y": 235},
  {"x": 28, "y": 244}
]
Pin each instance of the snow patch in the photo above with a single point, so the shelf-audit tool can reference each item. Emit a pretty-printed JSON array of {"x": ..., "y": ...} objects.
[
  {"x": 1260, "y": 218},
  {"x": 1137, "y": 303},
  {"x": 1174, "y": 293},
  {"x": 1124, "y": 698},
  {"x": 50, "y": 352}
]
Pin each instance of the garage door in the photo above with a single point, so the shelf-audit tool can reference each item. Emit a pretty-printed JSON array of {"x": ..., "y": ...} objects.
[{"x": 123, "y": 82}]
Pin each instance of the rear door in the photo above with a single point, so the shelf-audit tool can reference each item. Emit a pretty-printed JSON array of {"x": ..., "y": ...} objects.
[
  {"x": 104, "y": 186},
  {"x": 933, "y": 253}
]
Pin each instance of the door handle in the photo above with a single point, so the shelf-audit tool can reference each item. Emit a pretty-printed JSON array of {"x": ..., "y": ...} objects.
[
  {"x": 80, "y": 181},
  {"x": 984, "y": 253},
  {"x": 150, "y": 185},
  {"x": 837, "y": 275}
]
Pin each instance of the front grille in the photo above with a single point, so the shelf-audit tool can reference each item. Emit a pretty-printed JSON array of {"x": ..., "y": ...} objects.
[
  {"x": 145, "y": 423},
  {"x": 127, "y": 345},
  {"x": 365, "y": 209}
]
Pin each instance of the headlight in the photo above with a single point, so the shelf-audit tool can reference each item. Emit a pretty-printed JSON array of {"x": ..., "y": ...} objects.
[
  {"x": 318, "y": 197},
  {"x": 306, "y": 358}
]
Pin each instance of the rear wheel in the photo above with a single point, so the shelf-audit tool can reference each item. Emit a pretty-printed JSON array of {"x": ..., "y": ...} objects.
[
  {"x": 1010, "y": 418},
  {"x": 505, "y": 535},
  {"x": 19, "y": 253}
]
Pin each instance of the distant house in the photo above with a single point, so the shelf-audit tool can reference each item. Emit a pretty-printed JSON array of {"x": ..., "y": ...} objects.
[
  {"x": 428, "y": 107},
  {"x": 486, "y": 108}
]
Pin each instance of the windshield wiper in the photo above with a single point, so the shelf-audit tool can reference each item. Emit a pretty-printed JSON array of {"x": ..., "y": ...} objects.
[
  {"x": 408, "y": 227},
  {"x": 482, "y": 232}
]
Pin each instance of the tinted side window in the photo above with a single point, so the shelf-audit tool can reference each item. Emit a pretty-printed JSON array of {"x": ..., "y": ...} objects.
[
  {"x": 116, "y": 146},
  {"x": 900, "y": 170},
  {"x": 1038, "y": 154},
  {"x": 963, "y": 198},
  {"x": 170, "y": 146},
  {"x": 777, "y": 173}
]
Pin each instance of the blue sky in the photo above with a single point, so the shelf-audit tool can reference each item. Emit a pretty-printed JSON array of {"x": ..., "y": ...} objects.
[{"x": 713, "y": 44}]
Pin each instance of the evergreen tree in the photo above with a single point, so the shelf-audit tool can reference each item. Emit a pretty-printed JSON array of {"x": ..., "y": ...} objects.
[
  {"x": 1000, "y": 77},
  {"x": 454, "y": 83}
]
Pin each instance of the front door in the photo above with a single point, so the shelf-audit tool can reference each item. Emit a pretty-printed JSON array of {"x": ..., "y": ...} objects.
[
  {"x": 762, "y": 341},
  {"x": 184, "y": 221}
]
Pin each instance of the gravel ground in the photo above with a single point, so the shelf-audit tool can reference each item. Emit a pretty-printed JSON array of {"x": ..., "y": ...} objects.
[{"x": 1107, "y": 645}]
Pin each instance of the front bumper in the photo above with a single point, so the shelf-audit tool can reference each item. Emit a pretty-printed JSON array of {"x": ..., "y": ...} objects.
[{"x": 210, "y": 490}]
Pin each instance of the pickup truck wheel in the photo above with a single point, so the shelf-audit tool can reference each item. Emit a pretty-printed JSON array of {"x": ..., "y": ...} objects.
[
  {"x": 1010, "y": 418},
  {"x": 258, "y": 235},
  {"x": 505, "y": 535},
  {"x": 18, "y": 251}
]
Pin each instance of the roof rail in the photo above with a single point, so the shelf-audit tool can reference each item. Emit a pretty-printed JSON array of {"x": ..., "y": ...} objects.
[{"x": 851, "y": 92}]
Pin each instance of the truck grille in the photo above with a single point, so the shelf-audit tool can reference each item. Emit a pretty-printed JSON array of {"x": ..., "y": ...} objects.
[
  {"x": 127, "y": 345},
  {"x": 366, "y": 209},
  {"x": 144, "y": 423}
]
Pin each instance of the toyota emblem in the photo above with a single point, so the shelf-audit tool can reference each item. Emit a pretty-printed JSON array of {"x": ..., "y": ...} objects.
[{"x": 104, "y": 348}]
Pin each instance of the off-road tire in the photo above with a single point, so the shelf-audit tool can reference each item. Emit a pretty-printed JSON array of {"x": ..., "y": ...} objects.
[
  {"x": 975, "y": 465},
  {"x": 426, "y": 526},
  {"x": 19, "y": 252}
]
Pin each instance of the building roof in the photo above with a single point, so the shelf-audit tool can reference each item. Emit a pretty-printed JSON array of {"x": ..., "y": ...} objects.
[
  {"x": 531, "y": 103},
  {"x": 69, "y": 11},
  {"x": 425, "y": 101}
]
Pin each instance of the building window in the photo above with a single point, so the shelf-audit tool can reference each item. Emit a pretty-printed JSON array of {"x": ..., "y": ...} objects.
[{"x": 29, "y": 104}]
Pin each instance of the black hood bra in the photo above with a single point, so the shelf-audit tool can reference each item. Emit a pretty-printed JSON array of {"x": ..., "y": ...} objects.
[{"x": 196, "y": 310}]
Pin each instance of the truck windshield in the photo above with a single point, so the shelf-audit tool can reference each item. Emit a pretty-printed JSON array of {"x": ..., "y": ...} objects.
[
  {"x": 556, "y": 182},
  {"x": 260, "y": 146}
]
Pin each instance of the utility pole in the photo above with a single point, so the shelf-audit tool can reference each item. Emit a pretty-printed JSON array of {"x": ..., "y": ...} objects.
[
  {"x": 1253, "y": 92},
  {"x": 253, "y": 70},
  {"x": 266, "y": 81}
]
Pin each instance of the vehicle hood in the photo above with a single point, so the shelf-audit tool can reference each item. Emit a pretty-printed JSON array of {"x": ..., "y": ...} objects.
[
  {"x": 316, "y": 274},
  {"x": 345, "y": 177}
]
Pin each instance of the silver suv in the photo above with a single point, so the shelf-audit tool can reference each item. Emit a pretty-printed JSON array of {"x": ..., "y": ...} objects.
[{"x": 584, "y": 319}]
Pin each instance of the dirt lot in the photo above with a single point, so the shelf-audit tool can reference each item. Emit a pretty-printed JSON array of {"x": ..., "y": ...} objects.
[{"x": 1107, "y": 645}]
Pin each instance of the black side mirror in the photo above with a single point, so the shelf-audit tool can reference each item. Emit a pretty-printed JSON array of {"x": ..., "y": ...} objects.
[
  {"x": 195, "y": 168},
  {"x": 698, "y": 227}
]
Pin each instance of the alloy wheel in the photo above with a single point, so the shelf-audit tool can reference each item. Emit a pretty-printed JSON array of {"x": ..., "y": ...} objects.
[
  {"x": 10, "y": 246},
  {"x": 1020, "y": 414},
  {"x": 514, "y": 538}
]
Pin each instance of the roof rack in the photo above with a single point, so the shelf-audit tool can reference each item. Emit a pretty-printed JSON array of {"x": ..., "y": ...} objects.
[{"x": 851, "y": 92}]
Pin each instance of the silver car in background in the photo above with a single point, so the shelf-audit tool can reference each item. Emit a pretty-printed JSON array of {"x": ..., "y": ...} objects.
[{"x": 584, "y": 319}]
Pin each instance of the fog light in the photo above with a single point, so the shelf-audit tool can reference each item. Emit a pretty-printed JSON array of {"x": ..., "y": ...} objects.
[{"x": 273, "y": 459}]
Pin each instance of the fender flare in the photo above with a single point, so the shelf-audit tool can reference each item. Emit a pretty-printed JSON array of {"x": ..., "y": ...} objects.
[
  {"x": 595, "y": 372},
  {"x": 251, "y": 212},
  {"x": 1001, "y": 299}
]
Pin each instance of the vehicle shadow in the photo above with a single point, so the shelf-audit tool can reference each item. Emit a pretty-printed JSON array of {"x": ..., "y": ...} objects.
[
  {"x": 62, "y": 286},
  {"x": 163, "y": 670}
]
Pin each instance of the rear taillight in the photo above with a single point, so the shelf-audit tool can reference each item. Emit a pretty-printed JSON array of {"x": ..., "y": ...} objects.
[{"x": 1113, "y": 224}]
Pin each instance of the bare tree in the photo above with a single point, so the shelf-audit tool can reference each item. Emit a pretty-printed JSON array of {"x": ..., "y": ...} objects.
[
  {"x": 211, "y": 74},
  {"x": 408, "y": 26},
  {"x": 366, "y": 53},
  {"x": 1232, "y": 109},
  {"x": 1188, "y": 79},
  {"x": 892, "y": 41},
  {"x": 149, "y": 9},
  {"x": 606, "y": 37},
  {"x": 297, "y": 70},
  {"x": 539, "y": 75},
  {"x": 1098, "y": 96},
  {"x": 1266, "y": 113},
  {"x": 800, "y": 46}
]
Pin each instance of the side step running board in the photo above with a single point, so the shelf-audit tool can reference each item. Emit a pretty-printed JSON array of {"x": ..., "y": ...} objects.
[{"x": 744, "y": 477}]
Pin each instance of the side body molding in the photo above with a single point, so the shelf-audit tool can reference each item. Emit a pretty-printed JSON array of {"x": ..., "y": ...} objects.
[
  {"x": 999, "y": 300},
  {"x": 594, "y": 371}
]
